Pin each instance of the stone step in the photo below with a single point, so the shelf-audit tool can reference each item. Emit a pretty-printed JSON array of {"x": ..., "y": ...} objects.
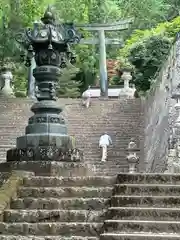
[
  {"x": 142, "y": 226},
  {"x": 117, "y": 150},
  {"x": 110, "y": 170},
  {"x": 6, "y": 146},
  {"x": 109, "y": 165},
  {"x": 19, "y": 126},
  {"x": 108, "y": 173},
  {"x": 32, "y": 237},
  {"x": 63, "y": 192},
  {"x": 92, "y": 134},
  {"x": 106, "y": 108},
  {"x": 139, "y": 236},
  {"x": 35, "y": 216},
  {"x": 63, "y": 203},
  {"x": 103, "y": 108},
  {"x": 52, "y": 228},
  {"x": 8, "y": 127},
  {"x": 151, "y": 178},
  {"x": 12, "y": 134},
  {"x": 96, "y": 133},
  {"x": 110, "y": 123},
  {"x": 90, "y": 123},
  {"x": 103, "y": 117},
  {"x": 144, "y": 201},
  {"x": 102, "y": 181},
  {"x": 98, "y": 113},
  {"x": 114, "y": 160},
  {"x": 2, "y": 159},
  {"x": 111, "y": 161},
  {"x": 147, "y": 189},
  {"x": 143, "y": 213},
  {"x": 92, "y": 155},
  {"x": 93, "y": 137}
]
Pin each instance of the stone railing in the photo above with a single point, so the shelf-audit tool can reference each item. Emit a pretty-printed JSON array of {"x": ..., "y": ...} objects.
[
  {"x": 9, "y": 189},
  {"x": 158, "y": 113}
]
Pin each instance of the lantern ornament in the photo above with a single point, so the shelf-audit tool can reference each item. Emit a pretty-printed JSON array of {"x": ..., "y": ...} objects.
[{"x": 46, "y": 134}]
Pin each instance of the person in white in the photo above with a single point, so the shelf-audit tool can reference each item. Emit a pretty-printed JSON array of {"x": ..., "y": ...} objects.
[
  {"x": 104, "y": 142},
  {"x": 87, "y": 97}
]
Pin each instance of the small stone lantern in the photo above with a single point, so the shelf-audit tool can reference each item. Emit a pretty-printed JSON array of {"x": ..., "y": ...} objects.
[
  {"x": 6, "y": 78},
  {"x": 126, "y": 77},
  {"x": 132, "y": 157}
]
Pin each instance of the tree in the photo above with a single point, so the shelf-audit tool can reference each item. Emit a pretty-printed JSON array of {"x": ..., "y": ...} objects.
[
  {"x": 173, "y": 9},
  {"x": 88, "y": 11},
  {"x": 146, "y": 13},
  {"x": 68, "y": 87},
  {"x": 147, "y": 57},
  {"x": 15, "y": 14}
]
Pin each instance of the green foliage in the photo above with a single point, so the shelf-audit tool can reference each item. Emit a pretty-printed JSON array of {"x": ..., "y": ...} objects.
[
  {"x": 172, "y": 28},
  {"x": 136, "y": 94},
  {"x": 20, "y": 79},
  {"x": 147, "y": 49},
  {"x": 168, "y": 29},
  {"x": 68, "y": 87},
  {"x": 147, "y": 57},
  {"x": 116, "y": 80},
  {"x": 20, "y": 94},
  {"x": 146, "y": 13},
  {"x": 17, "y": 14}
]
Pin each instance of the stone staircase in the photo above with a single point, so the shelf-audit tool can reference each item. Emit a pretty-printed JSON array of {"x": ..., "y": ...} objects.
[
  {"x": 122, "y": 120},
  {"x": 144, "y": 207},
  {"x": 13, "y": 119},
  {"x": 58, "y": 208},
  {"x": 131, "y": 207}
]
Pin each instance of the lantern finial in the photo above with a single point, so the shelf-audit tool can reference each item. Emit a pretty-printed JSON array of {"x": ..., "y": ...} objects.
[{"x": 49, "y": 17}]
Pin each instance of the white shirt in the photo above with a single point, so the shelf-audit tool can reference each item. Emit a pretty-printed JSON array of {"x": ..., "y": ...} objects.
[{"x": 105, "y": 140}]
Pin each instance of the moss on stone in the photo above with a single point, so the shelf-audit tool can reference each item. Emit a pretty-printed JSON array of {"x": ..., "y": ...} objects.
[{"x": 9, "y": 190}]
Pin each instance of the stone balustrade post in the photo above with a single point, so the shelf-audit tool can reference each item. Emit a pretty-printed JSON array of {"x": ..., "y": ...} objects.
[{"x": 132, "y": 157}]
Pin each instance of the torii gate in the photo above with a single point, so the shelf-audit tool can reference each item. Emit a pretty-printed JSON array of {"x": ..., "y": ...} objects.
[
  {"x": 102, "y": 41},
  {"x": 101, "y": 28}
]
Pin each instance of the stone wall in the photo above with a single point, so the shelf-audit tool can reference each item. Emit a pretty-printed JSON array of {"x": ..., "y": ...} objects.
[{"x": 159, "y": 113}]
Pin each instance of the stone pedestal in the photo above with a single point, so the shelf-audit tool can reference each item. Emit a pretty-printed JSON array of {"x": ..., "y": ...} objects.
[
  {"x": 45, "y": 136},
  {"x": 48, "y": 168}
]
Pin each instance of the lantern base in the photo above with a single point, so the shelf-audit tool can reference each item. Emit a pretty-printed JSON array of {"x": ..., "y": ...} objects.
[
  {"x": 44, "y": 147},
  {"x": 48, "y": 168}
]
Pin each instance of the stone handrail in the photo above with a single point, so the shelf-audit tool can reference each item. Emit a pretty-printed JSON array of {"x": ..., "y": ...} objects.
[{"x": 9, "y": 189}]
